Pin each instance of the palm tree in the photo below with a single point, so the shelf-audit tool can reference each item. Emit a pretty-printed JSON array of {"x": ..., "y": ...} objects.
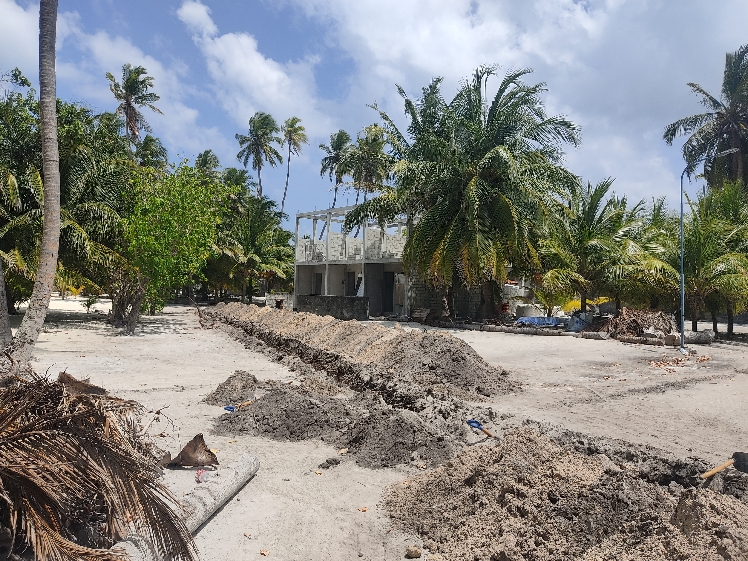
[
  {"x": 476, "y": 173},
  {"x": 132, "y": 94},
  {"x": 713, "y": 268},
  {"x": 367, "y": 162},
  {"x": 33, "y": 320},
  {"x": 722, "y": 127},
  {"x": 257, "y": 144},
  {"x": 151, "y": 152},
  {"x": 331, "y": 163},
  {"x": 294, "y": 135},
  {"x": 585, "y": 241},
  {"x": 254, "y": 245}
]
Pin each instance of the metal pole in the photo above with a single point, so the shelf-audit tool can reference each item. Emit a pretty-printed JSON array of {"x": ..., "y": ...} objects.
[{"x": 682, "y": 275}]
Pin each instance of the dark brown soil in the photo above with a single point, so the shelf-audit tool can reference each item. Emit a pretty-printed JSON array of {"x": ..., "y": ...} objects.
[
  {"x": 527, "y": 498},
  {"x": 290, "y": 413},
  {"x": 237, "y": 388}
]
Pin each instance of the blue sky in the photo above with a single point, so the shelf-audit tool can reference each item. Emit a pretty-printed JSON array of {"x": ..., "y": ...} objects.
[{"x": 616, "y": 67}]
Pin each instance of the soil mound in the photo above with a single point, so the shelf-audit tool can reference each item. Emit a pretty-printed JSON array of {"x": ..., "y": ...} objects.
[
  {"x": 397, "y": 363},
  {"x": 387, "y": 438},
  {"x": 527, "y": 498},
  {"x": 375, "y": 434},
  {"x": 237, "y": 388},
  {"x": 290, "y": 414}
]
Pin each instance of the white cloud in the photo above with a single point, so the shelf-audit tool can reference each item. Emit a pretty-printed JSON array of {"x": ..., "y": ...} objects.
[
  {"x": 616, "y": 67},
  {"x": 245, "y": 81},
  {"x": 19, "y": 38}
]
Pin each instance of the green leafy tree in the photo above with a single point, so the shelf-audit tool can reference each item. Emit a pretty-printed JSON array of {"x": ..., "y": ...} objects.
[
  {"x": 294, "y": 135},
  {"x": 257, "y": 145},
  {"x": 150, "y": 152},
  {"x": 168, "y": 235},
  {"x": 133, "y": 93},
  {"x": 722, "y": 127}
]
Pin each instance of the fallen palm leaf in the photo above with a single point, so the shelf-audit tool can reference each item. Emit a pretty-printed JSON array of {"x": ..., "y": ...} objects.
[{"x": 70, "y": 491}]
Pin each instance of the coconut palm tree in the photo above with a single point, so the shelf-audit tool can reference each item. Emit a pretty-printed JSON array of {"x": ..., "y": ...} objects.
[
  {"x": 722, "y": 127},
  {"x": 712, "y": 266},
  {"x": 331, "y": 163},
  {"x": 132, "y": 93},
  {"x": 294, "y": 135},
  {"x": 335, "y": 152},
  {"x": 255, "y": 243},
  {"x": 586, "y": 240},
  {"x": 33, "y": 320},
  {"x": 476, "y": 172},
  {"x": 257, "y": 145}
]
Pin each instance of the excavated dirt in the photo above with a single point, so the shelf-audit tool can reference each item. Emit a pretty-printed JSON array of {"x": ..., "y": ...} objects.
[
  {"x": 400, "y": 365},
  {"x": 375, "y": 434},
  {"x": 528, "y": 498},
  {"x": 238, "y": 388}
]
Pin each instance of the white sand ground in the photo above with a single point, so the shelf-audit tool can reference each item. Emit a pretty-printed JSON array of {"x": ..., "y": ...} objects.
[{"x": 598, "y": 387}]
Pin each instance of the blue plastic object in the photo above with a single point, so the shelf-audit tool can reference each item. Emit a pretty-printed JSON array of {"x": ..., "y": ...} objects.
[
  {"x": 230, "y": 408},
  {"x": 475, "y": 424}
]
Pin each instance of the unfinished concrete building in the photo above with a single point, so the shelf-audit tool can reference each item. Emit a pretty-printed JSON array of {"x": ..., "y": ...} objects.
[
  {"x": 365, "y": 263},
  {"x": 359, "y": 274}
]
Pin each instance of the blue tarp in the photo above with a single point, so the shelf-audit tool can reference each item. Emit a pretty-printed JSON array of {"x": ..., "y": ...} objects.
[{"x": 537, "y": 321}]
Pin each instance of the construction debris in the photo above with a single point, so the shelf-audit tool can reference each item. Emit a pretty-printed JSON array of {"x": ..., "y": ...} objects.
[{"x": 638, "y": 323}]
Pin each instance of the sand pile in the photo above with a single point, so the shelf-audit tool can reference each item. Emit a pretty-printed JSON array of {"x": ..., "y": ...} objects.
[
  {"x": 290, "y": 413},
  {"x": 527, "y": 498},
  {"x": 401, "y": 365}
]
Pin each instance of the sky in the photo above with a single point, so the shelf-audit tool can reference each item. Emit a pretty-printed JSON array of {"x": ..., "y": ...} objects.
[{"x": 617, "y": 68}]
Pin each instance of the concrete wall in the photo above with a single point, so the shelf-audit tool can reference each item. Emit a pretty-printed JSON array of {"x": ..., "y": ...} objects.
[
  {"x": 336, "y": 282},
  {"x": 340, "y": 307}
]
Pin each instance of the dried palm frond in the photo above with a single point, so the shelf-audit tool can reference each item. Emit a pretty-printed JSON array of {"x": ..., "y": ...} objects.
[{"x": 74, "y": 478}]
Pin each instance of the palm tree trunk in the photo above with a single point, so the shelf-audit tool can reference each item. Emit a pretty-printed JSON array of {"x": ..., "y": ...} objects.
[
  {"x": 730, "y": 318},
  {"x": 288, "y": 174},
  {"x": 737, "y": 157},
  {"x": 33, "y": 320},
  {"x": 259, "y": 183},
  {"x": 583, "y": 301},
  {"x": 334, "y": 199},
  {"x": 713, "y": 312},
  {"x": 694, "y": 319},
  {"x": 244, "y": 290},
  {"x": 6, "y": 336}
]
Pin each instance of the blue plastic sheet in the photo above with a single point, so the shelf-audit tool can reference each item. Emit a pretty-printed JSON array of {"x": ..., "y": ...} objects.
[{"x": 537, "y": 321}]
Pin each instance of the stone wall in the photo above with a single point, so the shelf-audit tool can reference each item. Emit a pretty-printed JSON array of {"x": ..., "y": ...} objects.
[{"x": 340, "y": 307}]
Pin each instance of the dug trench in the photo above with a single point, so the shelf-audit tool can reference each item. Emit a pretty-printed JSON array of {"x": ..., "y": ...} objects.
[{"x": 537, "y": 491}]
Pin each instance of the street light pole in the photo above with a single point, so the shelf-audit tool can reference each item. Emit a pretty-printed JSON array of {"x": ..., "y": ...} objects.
[{"x": 682, "y": 275}]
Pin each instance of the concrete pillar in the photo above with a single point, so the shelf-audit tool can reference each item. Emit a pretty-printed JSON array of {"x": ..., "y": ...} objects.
[
  {"x": 327, "y": 254},
  {"x": 363, "y": 261},
  {"x": 296, "y": 264}
]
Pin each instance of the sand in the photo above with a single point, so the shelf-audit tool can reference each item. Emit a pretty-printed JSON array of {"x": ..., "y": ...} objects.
[{"x": 601, "y": 388}]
